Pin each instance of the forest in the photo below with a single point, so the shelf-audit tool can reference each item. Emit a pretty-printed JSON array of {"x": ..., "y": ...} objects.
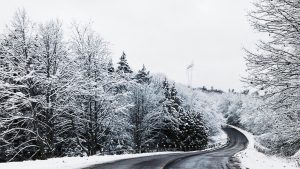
[
  {"x": 64, "y": 97},
  {"x": 61, "y": 94}
]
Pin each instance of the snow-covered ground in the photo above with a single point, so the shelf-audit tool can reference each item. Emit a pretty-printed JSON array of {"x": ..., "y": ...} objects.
[
  {"x": 252, "y": 159},
  {"x": 81, "y": 162},
  {"x": 72, "y": 162}
]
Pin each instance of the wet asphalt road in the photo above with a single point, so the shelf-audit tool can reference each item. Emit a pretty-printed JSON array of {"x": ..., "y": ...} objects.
[{"x": 216, "y": 159}]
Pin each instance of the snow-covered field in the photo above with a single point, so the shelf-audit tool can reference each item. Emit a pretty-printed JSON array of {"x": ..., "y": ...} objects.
[{"x": 252, "y": 159}]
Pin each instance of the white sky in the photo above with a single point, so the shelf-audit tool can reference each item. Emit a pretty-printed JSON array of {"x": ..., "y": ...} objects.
[{"x": 165, "y": 35}]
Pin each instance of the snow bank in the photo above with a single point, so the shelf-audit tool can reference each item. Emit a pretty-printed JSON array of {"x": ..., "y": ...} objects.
[
  {"x": 82, "y": 162},
  {"x": 297, "y": 155},
  {"x": 218, "y": 141},
  {"x": 72, "y": 162},
  {"x": 252, "y": 159}
]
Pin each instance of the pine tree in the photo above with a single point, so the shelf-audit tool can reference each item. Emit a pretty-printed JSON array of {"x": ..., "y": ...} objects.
[
  {"x": 176, "y": 100},
  {"x": 110, "y": 67},
  {"x": 193, "y": 134},
  {"x": 171, "y": 109},
  {"x": 166, "y": 88},
  {"x": 165, "y": 84},
  {"x": 123, "y": 65},
  {"x": 143, "y": 76},
  {"x": 200, "y": 132}
]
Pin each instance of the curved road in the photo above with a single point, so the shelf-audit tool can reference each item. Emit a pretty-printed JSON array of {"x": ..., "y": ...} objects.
[{"x": 216, "y": 159}]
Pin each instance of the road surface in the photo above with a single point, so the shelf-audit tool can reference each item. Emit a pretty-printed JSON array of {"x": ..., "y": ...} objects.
[{"x": 216, "y": 159}]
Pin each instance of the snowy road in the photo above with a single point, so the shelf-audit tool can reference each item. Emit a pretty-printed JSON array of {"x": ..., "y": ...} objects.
[{"x": 216, "y": 159}]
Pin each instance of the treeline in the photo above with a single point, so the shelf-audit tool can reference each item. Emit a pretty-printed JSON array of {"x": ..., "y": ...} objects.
[
  {"x": 211, "y": 90},
  {"x": 63, "y": 97}
]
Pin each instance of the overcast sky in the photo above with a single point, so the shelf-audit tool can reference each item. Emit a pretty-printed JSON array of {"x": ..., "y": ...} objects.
[{"x": 165, "y": 35}]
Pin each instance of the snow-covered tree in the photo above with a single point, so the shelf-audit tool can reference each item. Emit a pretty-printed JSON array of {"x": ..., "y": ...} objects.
[
  {"x": 123, "y": 66},
  {"x": 143, "y": 76},
  {"x": 146, "y": 96},
  {"x": 193, "y": 131},
  {"x": 18, "y": 91},
  {"x": 110, "y": 66},
  {"x": 52, "y": 79},
  {"x": 169, "y": 132},
  {"x": 273, "y": 67},
  {"x": 93, "y": 101}
]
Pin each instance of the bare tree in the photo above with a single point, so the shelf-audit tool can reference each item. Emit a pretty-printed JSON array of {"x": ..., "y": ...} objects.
[
  {"x": 274, "y": 67},
  {"x": 18, "y": 92}
]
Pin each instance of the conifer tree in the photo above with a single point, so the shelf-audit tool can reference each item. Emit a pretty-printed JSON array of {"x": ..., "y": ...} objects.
[
  {"x": 110, "y": 67},
  {"x": 166, "y": 88},
  {"x": 171, "y": 109},
  {"x": 193, "y": 131},
  {"x": 176, "y": 102},
  {"x": 143, "y": 75},
  {"x": 123, "y": 65}
]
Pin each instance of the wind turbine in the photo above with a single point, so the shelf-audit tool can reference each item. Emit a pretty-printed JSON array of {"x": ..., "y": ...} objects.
[{"x": 189, "y": 72}]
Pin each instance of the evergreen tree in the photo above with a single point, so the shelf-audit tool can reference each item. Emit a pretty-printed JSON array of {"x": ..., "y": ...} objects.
[
  {"x": 143, "y": 76},
  {"x": 181, "y": 129},
  {"x": 123, "y": 65},
  {"x": 176, "y": 102},
  {"x": 165, "y": 84},
  {"x": 110, "y": 66},
  {"x": 200, "y": 132},
  {"x": 171, "y": 109},
  {"x": 193, "y": 132},
  {"x": 166, "y": 88}
]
